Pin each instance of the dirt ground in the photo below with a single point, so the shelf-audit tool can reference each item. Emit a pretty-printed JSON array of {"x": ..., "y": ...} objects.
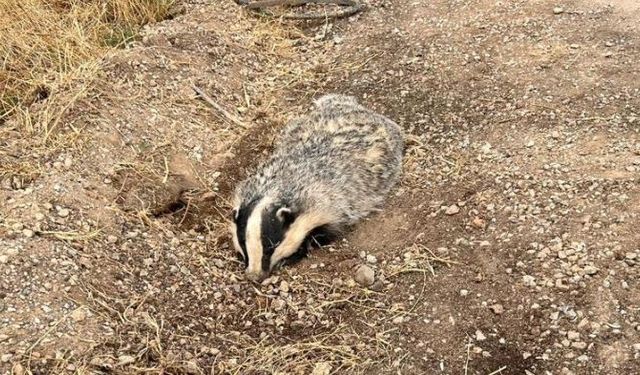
[{"x": 510, "y": 247}]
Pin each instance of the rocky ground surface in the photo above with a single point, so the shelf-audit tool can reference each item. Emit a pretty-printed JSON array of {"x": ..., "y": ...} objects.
[{"x": 510, "y": 247}]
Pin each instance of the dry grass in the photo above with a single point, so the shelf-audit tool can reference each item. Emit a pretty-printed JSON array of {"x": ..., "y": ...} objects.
[{"x": 46, "y": 45}]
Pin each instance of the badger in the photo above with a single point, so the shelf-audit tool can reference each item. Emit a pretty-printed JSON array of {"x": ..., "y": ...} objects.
[{"x": 329, "y": 169}]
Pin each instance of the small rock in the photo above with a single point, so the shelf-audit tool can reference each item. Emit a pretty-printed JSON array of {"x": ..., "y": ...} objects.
[
  {"x": 478, "y": 223},
  {"x": 531, "y": 144},
  {"x": 192, "y": 368},
  {"x": 583, "y": 323},
  {"x": 112, "y": 239},
  {"x": 452, "y": 210},
  {"x": 398, "y": 320},
  {"x": 278, "y": 304},
  {"x": 464, "y": 292},
  {"x": 27, "y": 233},
  {"x": 480, "y": 336},
  {"x": 529, "y": 280},
  {"x": 78, "y": 315},
  {"x": 365, "y": 275},
  {"x": 590, "y": 270},
  {"x": 497, "y": 309},
  {"x": 579, "y": 345},
  {"x": 378, "y": 286},
  {"x": 4, "y": 337},
  {"x": 18, "y": 369},
  {"x": 583, "y": 358},
  {"x": 63, "y": 212},
  {"x": 573, "y": 335},
  {"x": 6, "y": 358},
  {"x": 558, "y": 10},
  {"x": 284, "y": 286},
  {"x": 321, "y": 368},
  {"x": 555, "y": 134},
  {"x": 372, "y": 259},
  {"x": 4, "y": 259}
]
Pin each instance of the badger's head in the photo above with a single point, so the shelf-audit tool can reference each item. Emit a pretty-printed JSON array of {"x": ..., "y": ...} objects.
[{"x": 268, "y": 232}]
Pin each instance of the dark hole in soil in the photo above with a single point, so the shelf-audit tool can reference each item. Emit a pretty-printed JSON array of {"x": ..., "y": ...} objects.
[
  {"x": 171, "y": 208},
  {"x": 42, "y": 93}
]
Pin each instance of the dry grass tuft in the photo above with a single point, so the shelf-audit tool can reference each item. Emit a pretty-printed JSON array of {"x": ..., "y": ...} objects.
[
  {"x": 47, "y": 44},
  {"x": 299, "y": 357}
]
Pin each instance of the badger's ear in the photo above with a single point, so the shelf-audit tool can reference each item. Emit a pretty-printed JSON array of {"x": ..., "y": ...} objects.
[
  {"x": 233, "y": 215},
  {"x": 285, "y": 215}
]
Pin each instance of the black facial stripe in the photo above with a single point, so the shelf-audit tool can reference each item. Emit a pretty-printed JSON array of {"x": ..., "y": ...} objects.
[
  {"x": 241, "y": 226},
  {"x": 273, "y": 231}
]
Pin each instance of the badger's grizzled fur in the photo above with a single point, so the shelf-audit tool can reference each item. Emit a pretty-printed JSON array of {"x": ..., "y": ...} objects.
[{"x": 330, "y": 169}]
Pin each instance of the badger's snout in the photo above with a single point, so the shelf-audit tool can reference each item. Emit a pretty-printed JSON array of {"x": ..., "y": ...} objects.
[{"x": 256, "y": 276}]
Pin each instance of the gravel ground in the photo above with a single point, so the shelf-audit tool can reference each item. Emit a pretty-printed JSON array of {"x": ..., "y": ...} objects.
[{"x": 510, "y": 247}]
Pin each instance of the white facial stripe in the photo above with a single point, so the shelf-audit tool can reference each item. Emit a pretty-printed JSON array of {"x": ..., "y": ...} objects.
[
  {"x": 254, "y": 237},
  {"x": 298, "y": 231},
  {"x": 234, "y": 236}
]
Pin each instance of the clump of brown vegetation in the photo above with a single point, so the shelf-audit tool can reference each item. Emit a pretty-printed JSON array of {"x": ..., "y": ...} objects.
[{"x": 46, "y": 44}]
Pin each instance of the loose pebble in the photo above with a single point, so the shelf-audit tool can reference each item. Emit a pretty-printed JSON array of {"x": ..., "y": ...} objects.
[
  {"x": 365, "y": 275},
  {"x": 452, "y": 210}
]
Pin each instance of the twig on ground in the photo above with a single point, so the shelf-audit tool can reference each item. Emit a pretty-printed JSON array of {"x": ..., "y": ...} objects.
[
  {"x": 219, "y": 108},
  {"x": 466, "y": 364},
  {"x": 186, "y": 212},
  {"x": 498, "y": 371},
  {"x": 351, "y": 8},
  {"x": 71, "y": 236},
  {"x": 166, "y": 171}
]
